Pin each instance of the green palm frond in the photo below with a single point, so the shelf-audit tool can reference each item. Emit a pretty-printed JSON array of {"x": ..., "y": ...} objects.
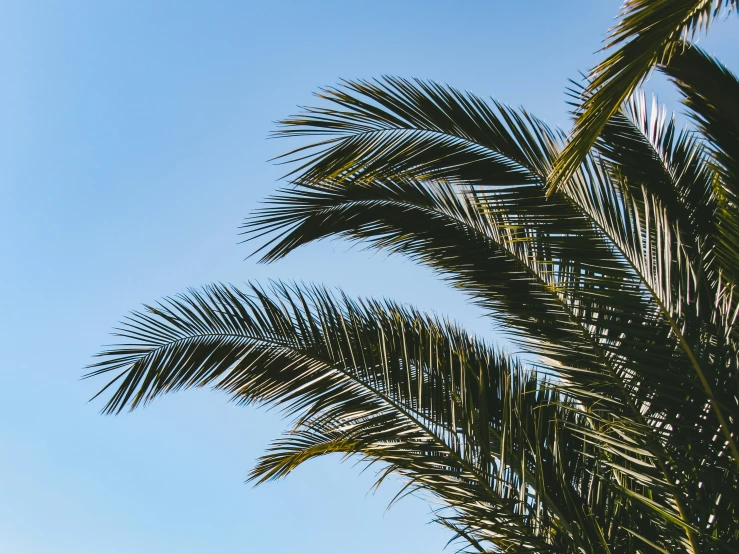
[
  {"x": 513, "y": 456},
  {"x": 650, "y": 32},
  {"x": 374, "y": 379}
]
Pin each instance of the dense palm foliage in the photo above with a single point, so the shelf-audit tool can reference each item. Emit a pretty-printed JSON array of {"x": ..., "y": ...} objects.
[{"x": 618, "y": 276}]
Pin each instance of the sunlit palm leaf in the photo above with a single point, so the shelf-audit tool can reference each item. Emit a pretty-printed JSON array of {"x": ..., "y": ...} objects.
[{"x": 649, "y": 32}]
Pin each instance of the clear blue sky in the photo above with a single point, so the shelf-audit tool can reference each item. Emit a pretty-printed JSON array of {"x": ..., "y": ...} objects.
[{"x": 132, "y": 144}]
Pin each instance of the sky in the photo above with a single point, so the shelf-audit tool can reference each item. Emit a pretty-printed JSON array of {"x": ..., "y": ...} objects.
[{"x": 133, "y": 142}]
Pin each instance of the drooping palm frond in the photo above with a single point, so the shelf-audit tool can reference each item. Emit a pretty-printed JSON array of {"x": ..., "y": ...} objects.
[
  {"x": 649, "y": 32},
  {"x": 501, "y": 447}
]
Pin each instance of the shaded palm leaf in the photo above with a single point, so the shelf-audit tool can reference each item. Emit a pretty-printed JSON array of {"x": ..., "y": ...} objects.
[
  {"x": 710, "y": 90},
  {"x": 385, "y": 382}
]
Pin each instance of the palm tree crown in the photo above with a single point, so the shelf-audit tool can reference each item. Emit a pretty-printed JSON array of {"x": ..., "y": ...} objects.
[{"x": 612, "y": 259}]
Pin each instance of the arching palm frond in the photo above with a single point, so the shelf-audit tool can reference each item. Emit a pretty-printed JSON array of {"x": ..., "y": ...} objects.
[
  {"x": 649, "y": 33},
  {"x": 502, "y": 448},
  {"x": 416, "y": 126},
  {"x": 489, "y": 131}
]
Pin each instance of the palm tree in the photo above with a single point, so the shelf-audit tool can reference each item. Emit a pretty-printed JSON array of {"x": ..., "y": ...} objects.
[{"x": 618, "y": 432}]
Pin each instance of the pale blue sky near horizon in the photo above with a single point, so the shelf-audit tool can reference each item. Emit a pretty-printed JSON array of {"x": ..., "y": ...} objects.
[{"x": 132, "y": 144}]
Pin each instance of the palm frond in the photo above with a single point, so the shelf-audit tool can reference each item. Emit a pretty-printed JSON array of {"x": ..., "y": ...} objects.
[
  {"x": 514, "y": 457},
  {"x": 644, "y": 148},
  {"x": 415, "y": 126},
  {"x": 709, "y": 92},
  {"x": 650, "y": 32}
]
